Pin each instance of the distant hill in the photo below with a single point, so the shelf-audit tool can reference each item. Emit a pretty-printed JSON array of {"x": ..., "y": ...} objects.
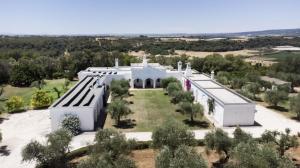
[{"x": 277, "y": 32}]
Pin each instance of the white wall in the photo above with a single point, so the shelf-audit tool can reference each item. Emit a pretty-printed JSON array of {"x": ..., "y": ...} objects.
[{"x": 239, "y": 114}]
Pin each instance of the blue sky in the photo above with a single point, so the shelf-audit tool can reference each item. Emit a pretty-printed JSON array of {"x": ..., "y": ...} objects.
[{"x": 145, "y": 16}]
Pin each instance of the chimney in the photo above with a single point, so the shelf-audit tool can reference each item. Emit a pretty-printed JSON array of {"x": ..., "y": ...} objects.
[
  {"x": 188, "y": 70},
  {"x": 179, "y": 66},
  {"x": 116, "y": 63},
  {"x": 212, "y": 75},
  {"x": 144, "y": 60}
]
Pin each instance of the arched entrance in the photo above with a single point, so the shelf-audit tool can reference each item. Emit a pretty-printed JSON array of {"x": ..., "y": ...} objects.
[
  {"x": 158, "y": 83},
  {"x": 149, "y": 83},
  {"x": 138, "y": 83}
]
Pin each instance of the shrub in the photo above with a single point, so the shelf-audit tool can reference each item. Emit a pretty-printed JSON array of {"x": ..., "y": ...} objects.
[
  {"x": 295, "y": 105},
  {"x": 181, "y": 96},
  {"x": 71, "y": 123},
  {"x": 14, "y": 104},
  {"x": 165, "y": 82},
  {"x": 273, "y": 97},
  {"x": 41, "y": 99},
  {"x": 173, "y": 88}
]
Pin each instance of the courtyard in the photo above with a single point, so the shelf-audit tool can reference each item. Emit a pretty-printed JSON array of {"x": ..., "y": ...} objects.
[{"x": 151, "y": 107}]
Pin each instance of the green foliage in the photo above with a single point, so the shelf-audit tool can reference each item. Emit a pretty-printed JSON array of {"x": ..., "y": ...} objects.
[
  {"x": 181, "y": 96},
  {"x": 119, "y": 88},
  {"x": 295, "y": 105},
  {"x": 71, "y": 123},
  {"x": 237, "y": 83},
  {"x": 252, "y": 88},
  {"x": 118, "y": 109},
  {"x": 14, "y": 104},
  {"x": 211, "y": 105},
  {"x": 40, "y": 99},
  {"x": 218, "y": 140},
  {"x": 4, "y": 71},
  {"x": 183, "y": 156},
  {"x": 52, "y": 154},
  {"x": 241, "y": 136},
  {"x": 38, "y": 84},
  {"x": 192, "y": 109},
  {"x": 165, "y": 82},
  {"x": 111, "y": 150},
  {"x": 25, "y": 72},
  {"x": 172, "y": 134},
  {"x": 283, "y": 141},
  {"x": 173, "y": 88},
  {"x": 249, "y": 155},
  {"x": 273, "y": 97}
]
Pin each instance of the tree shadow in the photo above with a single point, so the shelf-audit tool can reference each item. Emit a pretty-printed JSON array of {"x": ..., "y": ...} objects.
[
  {"x": 197, "y": 123},
  {"x": 4, "y": 151},
  {"x": 278, "y": 108},
  {"x": 2, "y": 119},
  {"x": 130, "y": 94},
  {"x": 126, "y": 124}
]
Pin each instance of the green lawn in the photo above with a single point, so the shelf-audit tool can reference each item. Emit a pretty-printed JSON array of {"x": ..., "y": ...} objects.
[
  {"x": 26, "y": 92},
  {"x": 151, "y": 108}
]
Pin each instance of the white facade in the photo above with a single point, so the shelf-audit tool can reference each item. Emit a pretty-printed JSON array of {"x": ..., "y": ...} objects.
[{"x": 88, "y": 97}]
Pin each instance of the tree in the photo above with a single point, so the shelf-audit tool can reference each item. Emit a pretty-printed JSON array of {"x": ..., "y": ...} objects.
[
  {"x": 191, "y": 109},
  {"x": 110, "y": 150},
  {"x": 14, "y": 104},
  {"x": 249, "y": 155},
  {"x": 53, "y": 154},
  {"x": 283, "y": 141},
  {"x": 253, "y": 88},
  {"x": 218, "y": 140},
  {"x": 184, "y": 156},
  {"x": 71, "y": 123},
  {"x": 273, "y": 97},
  {"x": 181, "y": 96},
  {"x": 118, "y": 109},
  {"x": 295, "y": 105},
  {"x": 41, "y": 99},
  {"x": 4, "y": 71},
  {"x": 119, "y": 88},
  {"x": 173, "y": 87},
  {"x": 57, "y": 91},
  {"x": 241, "y": 136},
  {"x": 165, "y": 82},
  {"x": 172, "y": 134}
]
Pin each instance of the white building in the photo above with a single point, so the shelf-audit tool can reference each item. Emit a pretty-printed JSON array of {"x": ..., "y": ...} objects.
[{"x": 88, "y": 97}]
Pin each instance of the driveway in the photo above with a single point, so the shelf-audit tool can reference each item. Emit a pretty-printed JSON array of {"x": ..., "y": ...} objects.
[{"x": 20, "y": 128}]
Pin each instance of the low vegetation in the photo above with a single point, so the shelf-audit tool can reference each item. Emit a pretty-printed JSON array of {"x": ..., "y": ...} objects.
[{"x": 71, "y": 123}]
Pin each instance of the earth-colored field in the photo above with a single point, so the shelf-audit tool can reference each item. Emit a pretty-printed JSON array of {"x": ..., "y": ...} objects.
[
  {"x": 202, "y": 54},
  {"x": 26, "y": 92},
  {"x": 151, "y": 108}
]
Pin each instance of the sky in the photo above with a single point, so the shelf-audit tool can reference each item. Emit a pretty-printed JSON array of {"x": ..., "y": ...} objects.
[{"x": 58, "y": 17}]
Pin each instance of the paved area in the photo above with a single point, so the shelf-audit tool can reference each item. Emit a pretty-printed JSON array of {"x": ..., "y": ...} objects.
[{"x": 20, "y": 129}]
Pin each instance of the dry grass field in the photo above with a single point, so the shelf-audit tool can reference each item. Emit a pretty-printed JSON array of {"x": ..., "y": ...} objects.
[{"x": 201, "y": 54}]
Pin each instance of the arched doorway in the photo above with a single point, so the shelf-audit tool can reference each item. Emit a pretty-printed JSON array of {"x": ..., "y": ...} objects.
[
  {"x": 138, "y": 83},
  {"x": 149, "y": 83},
  {"x": 158, "y": 83}
]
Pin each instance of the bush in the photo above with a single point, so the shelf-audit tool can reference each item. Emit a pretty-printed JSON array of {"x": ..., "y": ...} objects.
[
  {"x": 173, "y": 88},
  {"x": 180, "y": 96},
  {"x": 14, "y": 104},
  {"x": 165, "y": 82},
  {"x": 71, "y": 123},
  {"x": 273, "y": 97},
  {"x": 41, "y": 99}
]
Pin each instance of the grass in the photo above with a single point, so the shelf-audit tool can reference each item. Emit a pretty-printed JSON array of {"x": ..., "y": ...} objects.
[
  {"x": 282, "y": 55},
  {"x": 151, "y": 108},
  {"x": 26, "y": 92}
]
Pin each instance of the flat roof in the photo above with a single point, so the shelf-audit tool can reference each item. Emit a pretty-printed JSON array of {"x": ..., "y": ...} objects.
[
  {"x": 208, "y": 84},
  {"x": 196, "y": 77},
  {"x": 226, "y": 96},
  {"x": 82, "y": 94}
]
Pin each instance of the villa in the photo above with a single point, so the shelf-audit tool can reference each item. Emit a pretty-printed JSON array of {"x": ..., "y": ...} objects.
[{"x": 88, "y": 98}]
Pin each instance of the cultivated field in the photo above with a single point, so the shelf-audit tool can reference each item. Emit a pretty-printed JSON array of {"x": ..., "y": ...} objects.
[
  {"x": 151, "y": 108},
  {"x": 202, "y": 54}
]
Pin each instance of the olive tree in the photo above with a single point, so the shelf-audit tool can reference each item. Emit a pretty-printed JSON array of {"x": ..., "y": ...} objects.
[
  {"x": 191, "y": 109},
  {"x": 282, "y": 140},
  {"x": 119, "y": 88},
  {"x": 273, "y": 97},
  {"x": 110, "y": 150},
  {"x": 218, "y": 140},
  {"x": 173, "y": 87},
  {"x": 181, "y": 96},
  {"x": 118, "y": 109},
  {"x": 53, "y": 154},
  {"x": 165, "y": 82},
  {"x": 295, "y": 105},
  {"x": 172, "y": 134},
  {"x": 184, "y": 156}
]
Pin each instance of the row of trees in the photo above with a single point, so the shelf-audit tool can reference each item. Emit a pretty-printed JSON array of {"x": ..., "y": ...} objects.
[{"x": 175, "y": 146}]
